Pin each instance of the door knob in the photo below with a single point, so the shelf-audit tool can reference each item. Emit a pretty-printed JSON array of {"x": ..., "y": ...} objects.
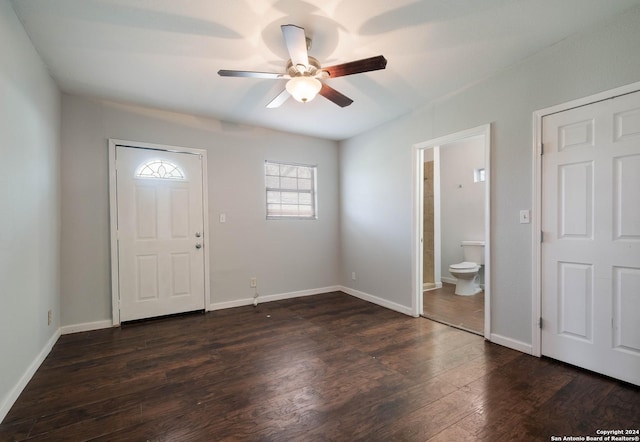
[{"x": 198, "y": 245}]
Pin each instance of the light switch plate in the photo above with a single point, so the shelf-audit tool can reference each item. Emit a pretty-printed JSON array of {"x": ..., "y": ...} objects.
[{"x": 525, "y": 216}]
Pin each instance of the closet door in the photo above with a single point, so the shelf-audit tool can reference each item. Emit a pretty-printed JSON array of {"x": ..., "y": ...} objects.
[{"x": 591, "y": 237}]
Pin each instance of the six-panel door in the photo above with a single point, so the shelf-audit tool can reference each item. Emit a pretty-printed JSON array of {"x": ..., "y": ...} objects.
[
  {"x": 591, "y": 237},
  {"x": 160, "y": 228}
]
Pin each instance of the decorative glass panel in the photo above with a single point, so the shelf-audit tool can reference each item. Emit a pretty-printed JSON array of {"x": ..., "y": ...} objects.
[{"x": 160, "y": 169}]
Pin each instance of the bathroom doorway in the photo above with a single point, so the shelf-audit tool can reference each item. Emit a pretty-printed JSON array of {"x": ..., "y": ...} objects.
[{"x": 451, "y": 205}]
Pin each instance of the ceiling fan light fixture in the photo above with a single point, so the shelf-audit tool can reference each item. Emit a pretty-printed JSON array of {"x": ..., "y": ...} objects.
[{"x": 303, "y": 88}]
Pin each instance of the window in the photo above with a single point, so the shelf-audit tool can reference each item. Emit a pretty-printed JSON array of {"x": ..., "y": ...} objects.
[
  {"x": 160, "y": 169},
  {"x": 291, "y": 191}
]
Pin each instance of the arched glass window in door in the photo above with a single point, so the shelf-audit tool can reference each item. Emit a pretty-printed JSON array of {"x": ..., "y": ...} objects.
[{"x": 160, "y": 169}]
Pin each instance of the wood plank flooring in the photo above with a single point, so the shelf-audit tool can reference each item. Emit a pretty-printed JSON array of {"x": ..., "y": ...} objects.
[
  {"x": 465, "y": 312},
  {"x": 326, "y": 367}
]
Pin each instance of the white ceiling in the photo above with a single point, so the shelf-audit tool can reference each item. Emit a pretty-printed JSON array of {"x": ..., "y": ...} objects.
[{"x": 166, "y": 53}]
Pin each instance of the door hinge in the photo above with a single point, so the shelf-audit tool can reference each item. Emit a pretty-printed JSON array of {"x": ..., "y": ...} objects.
[
  {"x": 541, "y": 236},
  {"x": 541, "y": 149},
  {"x": 540, "y": 322}
]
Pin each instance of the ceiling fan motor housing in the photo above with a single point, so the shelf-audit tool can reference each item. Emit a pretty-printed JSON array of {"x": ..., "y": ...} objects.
[{"x": 311, "y": 70}]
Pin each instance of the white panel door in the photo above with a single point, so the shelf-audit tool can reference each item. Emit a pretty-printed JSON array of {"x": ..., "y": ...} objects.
[
  {"x": 591, "y": 237},
  {"x": 160, "y": 228}
]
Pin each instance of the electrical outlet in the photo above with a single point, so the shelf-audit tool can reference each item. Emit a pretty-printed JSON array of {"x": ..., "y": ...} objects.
[
  {"x": 353, "y": 276},
  {"x": 49, "y": 317},
  {"x": 253, "y": 282}
]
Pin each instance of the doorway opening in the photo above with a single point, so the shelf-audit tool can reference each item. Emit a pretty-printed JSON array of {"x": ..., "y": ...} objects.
[{"x": 452, "y": 230}]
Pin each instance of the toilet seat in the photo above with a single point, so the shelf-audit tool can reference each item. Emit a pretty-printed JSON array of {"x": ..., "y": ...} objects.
[{"x": 465, "y": 267}]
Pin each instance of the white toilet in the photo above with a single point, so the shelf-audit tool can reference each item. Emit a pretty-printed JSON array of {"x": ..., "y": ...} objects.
[{"x": 466, "y": 273}]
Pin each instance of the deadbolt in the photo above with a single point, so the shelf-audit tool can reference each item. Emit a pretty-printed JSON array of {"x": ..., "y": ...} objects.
[{"x": 197, "y": 234}]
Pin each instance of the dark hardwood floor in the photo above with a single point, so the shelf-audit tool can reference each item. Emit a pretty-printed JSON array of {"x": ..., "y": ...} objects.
[
  {"x": 465, "y": 312},
  {"x": 326, "y": 367}
]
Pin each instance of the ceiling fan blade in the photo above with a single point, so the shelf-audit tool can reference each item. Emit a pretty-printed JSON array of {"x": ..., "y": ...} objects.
[
  {"x": 251, "y": 74},
  {"x": 356, "y": 67},
  {"x": 333, "y": 95},
  {"x": 296, "y": 43},
  {"x": 281, "y": 98}
]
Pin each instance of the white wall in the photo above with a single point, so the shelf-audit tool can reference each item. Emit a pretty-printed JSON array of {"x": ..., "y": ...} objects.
[
  {"x": 29, "y": 204},
  {"x": 376, "y": 167},
  {"x": 461, "y": 208},
  {"x": 285, "y": 256}
]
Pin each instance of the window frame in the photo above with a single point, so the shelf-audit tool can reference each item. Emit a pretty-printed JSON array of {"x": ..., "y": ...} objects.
[
  {"x": 479, "y": 175},
  {"x": 313, "y": 191}
]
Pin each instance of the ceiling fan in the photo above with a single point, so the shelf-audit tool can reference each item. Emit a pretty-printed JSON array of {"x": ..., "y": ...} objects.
[{"x": 304, "y": 72}]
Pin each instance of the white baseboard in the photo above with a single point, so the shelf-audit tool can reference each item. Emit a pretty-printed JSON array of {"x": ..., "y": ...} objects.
[
  {"x": 449, "y": 280},
  {"x": 11, "y": 398},
  {"x": 278, "y": 297},
  {"x": 270, "y": 298},
  {"x": 86, "y": 326},
  {"x": 512, "y": 343},
  {"x": 379, "y": 301},
  {"x": 426, "y": 287}
]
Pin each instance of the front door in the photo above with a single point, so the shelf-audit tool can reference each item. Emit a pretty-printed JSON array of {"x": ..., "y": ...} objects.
[
  {"x": 591, "y": 237},
  {"x": 159, "y": 232}
]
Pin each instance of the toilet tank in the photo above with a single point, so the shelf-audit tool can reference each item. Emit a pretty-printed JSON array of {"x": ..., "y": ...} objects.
[{"x": 473, "y": 251}]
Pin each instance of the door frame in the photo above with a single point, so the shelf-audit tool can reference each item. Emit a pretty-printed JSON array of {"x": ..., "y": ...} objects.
[
  {"x": 418, "y": 202},
  {"x": 113, "y": 217},
  {"x": 437, "y": 245},
  {"x": 536, "y": 217}
]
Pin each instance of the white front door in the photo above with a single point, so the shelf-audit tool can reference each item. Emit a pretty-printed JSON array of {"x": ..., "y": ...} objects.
[
  {"x": 591, "y": 237},
  {"x": 160, "y": 232}
]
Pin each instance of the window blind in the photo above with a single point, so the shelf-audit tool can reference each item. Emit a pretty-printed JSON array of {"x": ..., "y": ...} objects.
[{"x": 290, "y": 190}]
